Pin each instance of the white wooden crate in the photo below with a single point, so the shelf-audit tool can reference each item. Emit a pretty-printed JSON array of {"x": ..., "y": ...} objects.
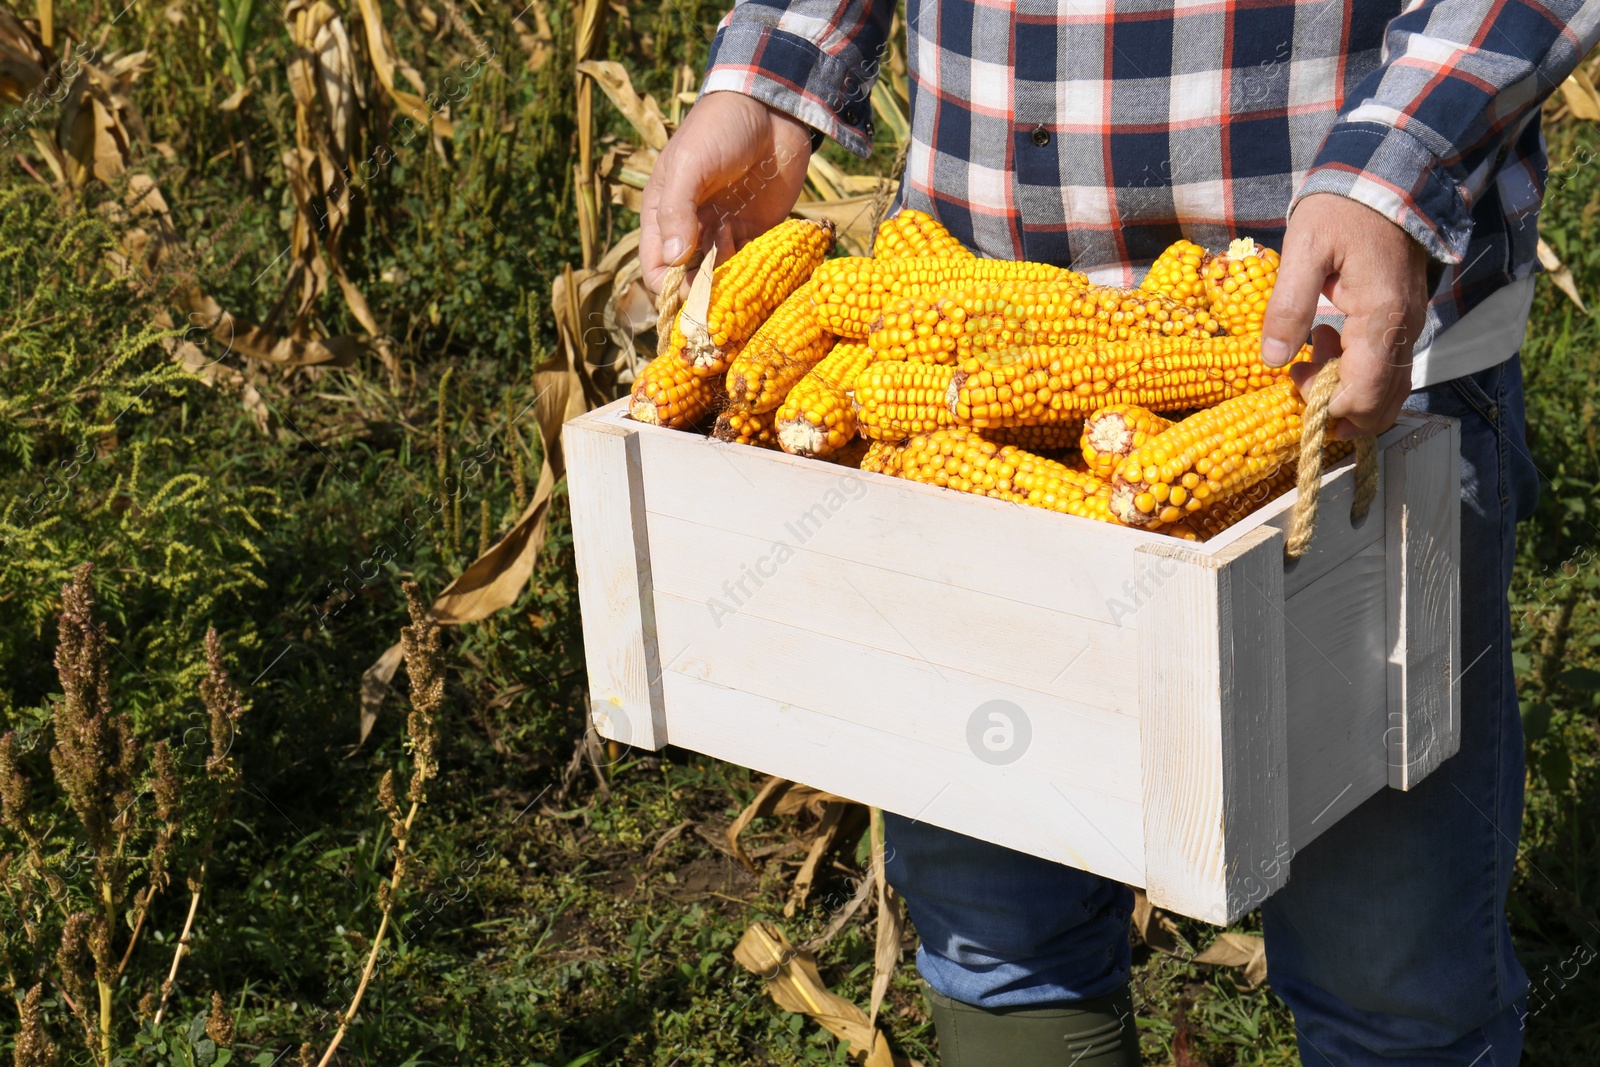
[{"x": 1182, "y": 717}]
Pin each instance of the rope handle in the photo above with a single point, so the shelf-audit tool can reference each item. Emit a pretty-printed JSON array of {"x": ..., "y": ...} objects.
[{"x": 1308, "y": 480}]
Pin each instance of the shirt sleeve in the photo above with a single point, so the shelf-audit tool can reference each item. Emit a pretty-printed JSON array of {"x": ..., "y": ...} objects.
[
  {"x": 814, "y": 59},
  {"x": 1421, "y": 137}
]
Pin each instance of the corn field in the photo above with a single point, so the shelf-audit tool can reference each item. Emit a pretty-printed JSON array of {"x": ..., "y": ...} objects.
[{"x": 294, "y": 757}]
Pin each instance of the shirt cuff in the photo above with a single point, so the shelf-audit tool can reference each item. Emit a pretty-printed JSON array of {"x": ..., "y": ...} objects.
[
  {"x": 790, "y": 73},
  {"x": 1390, "y": 171}
]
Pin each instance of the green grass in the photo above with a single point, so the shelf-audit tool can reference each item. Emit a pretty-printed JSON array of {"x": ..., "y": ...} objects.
[{"x": 533, "y": 931}]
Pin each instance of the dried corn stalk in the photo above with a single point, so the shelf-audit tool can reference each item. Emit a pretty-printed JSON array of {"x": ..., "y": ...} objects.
[
  {"x": 329, "y": 103},
  {"x": 386, "y": 64},
  {"x": 794, "y": 985}
]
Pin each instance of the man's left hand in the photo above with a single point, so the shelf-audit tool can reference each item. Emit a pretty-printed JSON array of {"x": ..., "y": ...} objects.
[{"x": 1376, "y": 274}]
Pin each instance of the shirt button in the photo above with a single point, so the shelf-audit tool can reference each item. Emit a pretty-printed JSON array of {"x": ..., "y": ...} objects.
[{"x": 1041, "y": 136}]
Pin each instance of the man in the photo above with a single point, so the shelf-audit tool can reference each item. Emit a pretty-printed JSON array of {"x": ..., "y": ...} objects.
[{"x": 1395, "y": 157}]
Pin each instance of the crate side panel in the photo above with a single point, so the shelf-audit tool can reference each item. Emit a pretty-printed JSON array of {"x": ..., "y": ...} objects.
[
  {"x": 900, "y": 694},
  {"x": 1336, "y": 651},
  {"x": 1058, "y": 821},
  {"x": 733, "y": 574},
  {"x": 617, "y": 609},
  {"x": 1424, "y": 538},
  {"x": 1027, "y": 554},
  {"x": 1213, "y": 728}
]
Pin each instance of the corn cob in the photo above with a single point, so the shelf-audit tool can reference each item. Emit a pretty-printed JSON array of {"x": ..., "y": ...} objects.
[
  {"x": 852, "y": 454},
  {"x": 883, "y": 457},
  {"x": 1176, "y": 274},
  {"x": 782, "y": 352},
  {"x": 915, "y": 233},
  {"x": 986, "y": 317},
  {"x": 1210, "y": 456},
  {"x": 919, "y": 329},
  {"x": 1113, "y": 432},
  {"x": 959, "y": 459},
  {"x": 817, "y": 418},
  {"x": 1211, "y": 520},
  {"x": 1238, "y": 283},
  {"x": 852, "y": 292},
  {"x": 1044, "y": 437},
  {"x": 1043, "y": 384},
  {"x": 741, "y": 426},
  {"x": 894, "y": 400},
  {"x": 748, "y": 288},
  {"x": 997, "y": 316},
  {"x": 669, "y": 393}
]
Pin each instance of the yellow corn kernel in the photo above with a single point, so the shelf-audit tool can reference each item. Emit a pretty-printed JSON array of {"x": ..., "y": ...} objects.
[
  {"x": 883, "y": 457},
  {"x": 1114, "y": 431},
  {"x": 894, "y": 400},
  {"x": 984, "y": 319},
  {"x": 780, "y": 353},
  {"x": 1176, "y": 274},
  {"x": 741, "y": 426},
  {"x": 957, "y": 458},
  {"x": 747, "y": 289},
  {"x": 919, "y": 329},
  {"x": 1043, "y": 383},
  {"x": 1043, "y": 437},
  {"x": 669, "y": 393},
  {"x": 1211, "y": 456},
  {"x": 1217, "y": 516},
  {"x": 1238, "y": 284},
  {"x": 915, "y": 233},
  {"x": 817, "y": 418},
  {"x": 853, "y": 292}
]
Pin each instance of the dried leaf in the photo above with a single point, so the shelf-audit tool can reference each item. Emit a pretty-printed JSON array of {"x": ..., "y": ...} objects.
[
  {"x": 386, "y": 64},
  {"x": 891, "y": 927},
  {"x": 1581, "y": 97},
  {"x": 540, "y": 41},
  {"x": 825, "y": 178},
  {"x": 696, "y": 311},
  {"x": 643, "y": 114},
  {"x": 794, "y": 985},
  {"x": 841, "y": 918},
  {"x": 1560, "y": 273},
  {"x": 25, "y": 60},
  {"x": 855, "y": 218},
  {"x": 776, "y": 797},
  {"x": 1154, "y": 926},
  {"x": 839, "y": 817},
  {"x": 1245, "y": 951},
  {"x": 99, "y": 124},
  {"x": 375, "y": 685}
]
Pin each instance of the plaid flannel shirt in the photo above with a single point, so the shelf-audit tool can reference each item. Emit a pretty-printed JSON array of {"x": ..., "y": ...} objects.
[{"x": 1093, "y": 133}]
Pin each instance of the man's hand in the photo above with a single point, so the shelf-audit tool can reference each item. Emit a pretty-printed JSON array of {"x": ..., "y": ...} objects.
[
  {"x": 731, "y": 172},
  {"x": 1376, "y": 274}
]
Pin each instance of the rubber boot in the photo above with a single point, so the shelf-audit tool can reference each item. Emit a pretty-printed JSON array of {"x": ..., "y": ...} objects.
[{"x": 1093, "y": 1033}]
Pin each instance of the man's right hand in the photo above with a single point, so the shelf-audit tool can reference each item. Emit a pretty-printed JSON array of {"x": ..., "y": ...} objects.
[{"x": 732, "y": 171}]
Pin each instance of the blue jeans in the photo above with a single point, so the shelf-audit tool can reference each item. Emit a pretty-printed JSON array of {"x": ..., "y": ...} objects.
[{"x": 1390, "y": 942}]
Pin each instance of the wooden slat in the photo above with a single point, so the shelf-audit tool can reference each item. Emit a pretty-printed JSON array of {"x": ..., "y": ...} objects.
[
  {"x": 1214, "y": 728},
  {"x": 1423, "y": 488},
  {"x": 615, "y": 593},
  {"x": 1335, "y": 653},
  {"x": 910, "y": 777},
  {"x": 898, "y": 693},
  {"x": 733, "y": 574},
  {"x": 1012, "y": 551}
]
